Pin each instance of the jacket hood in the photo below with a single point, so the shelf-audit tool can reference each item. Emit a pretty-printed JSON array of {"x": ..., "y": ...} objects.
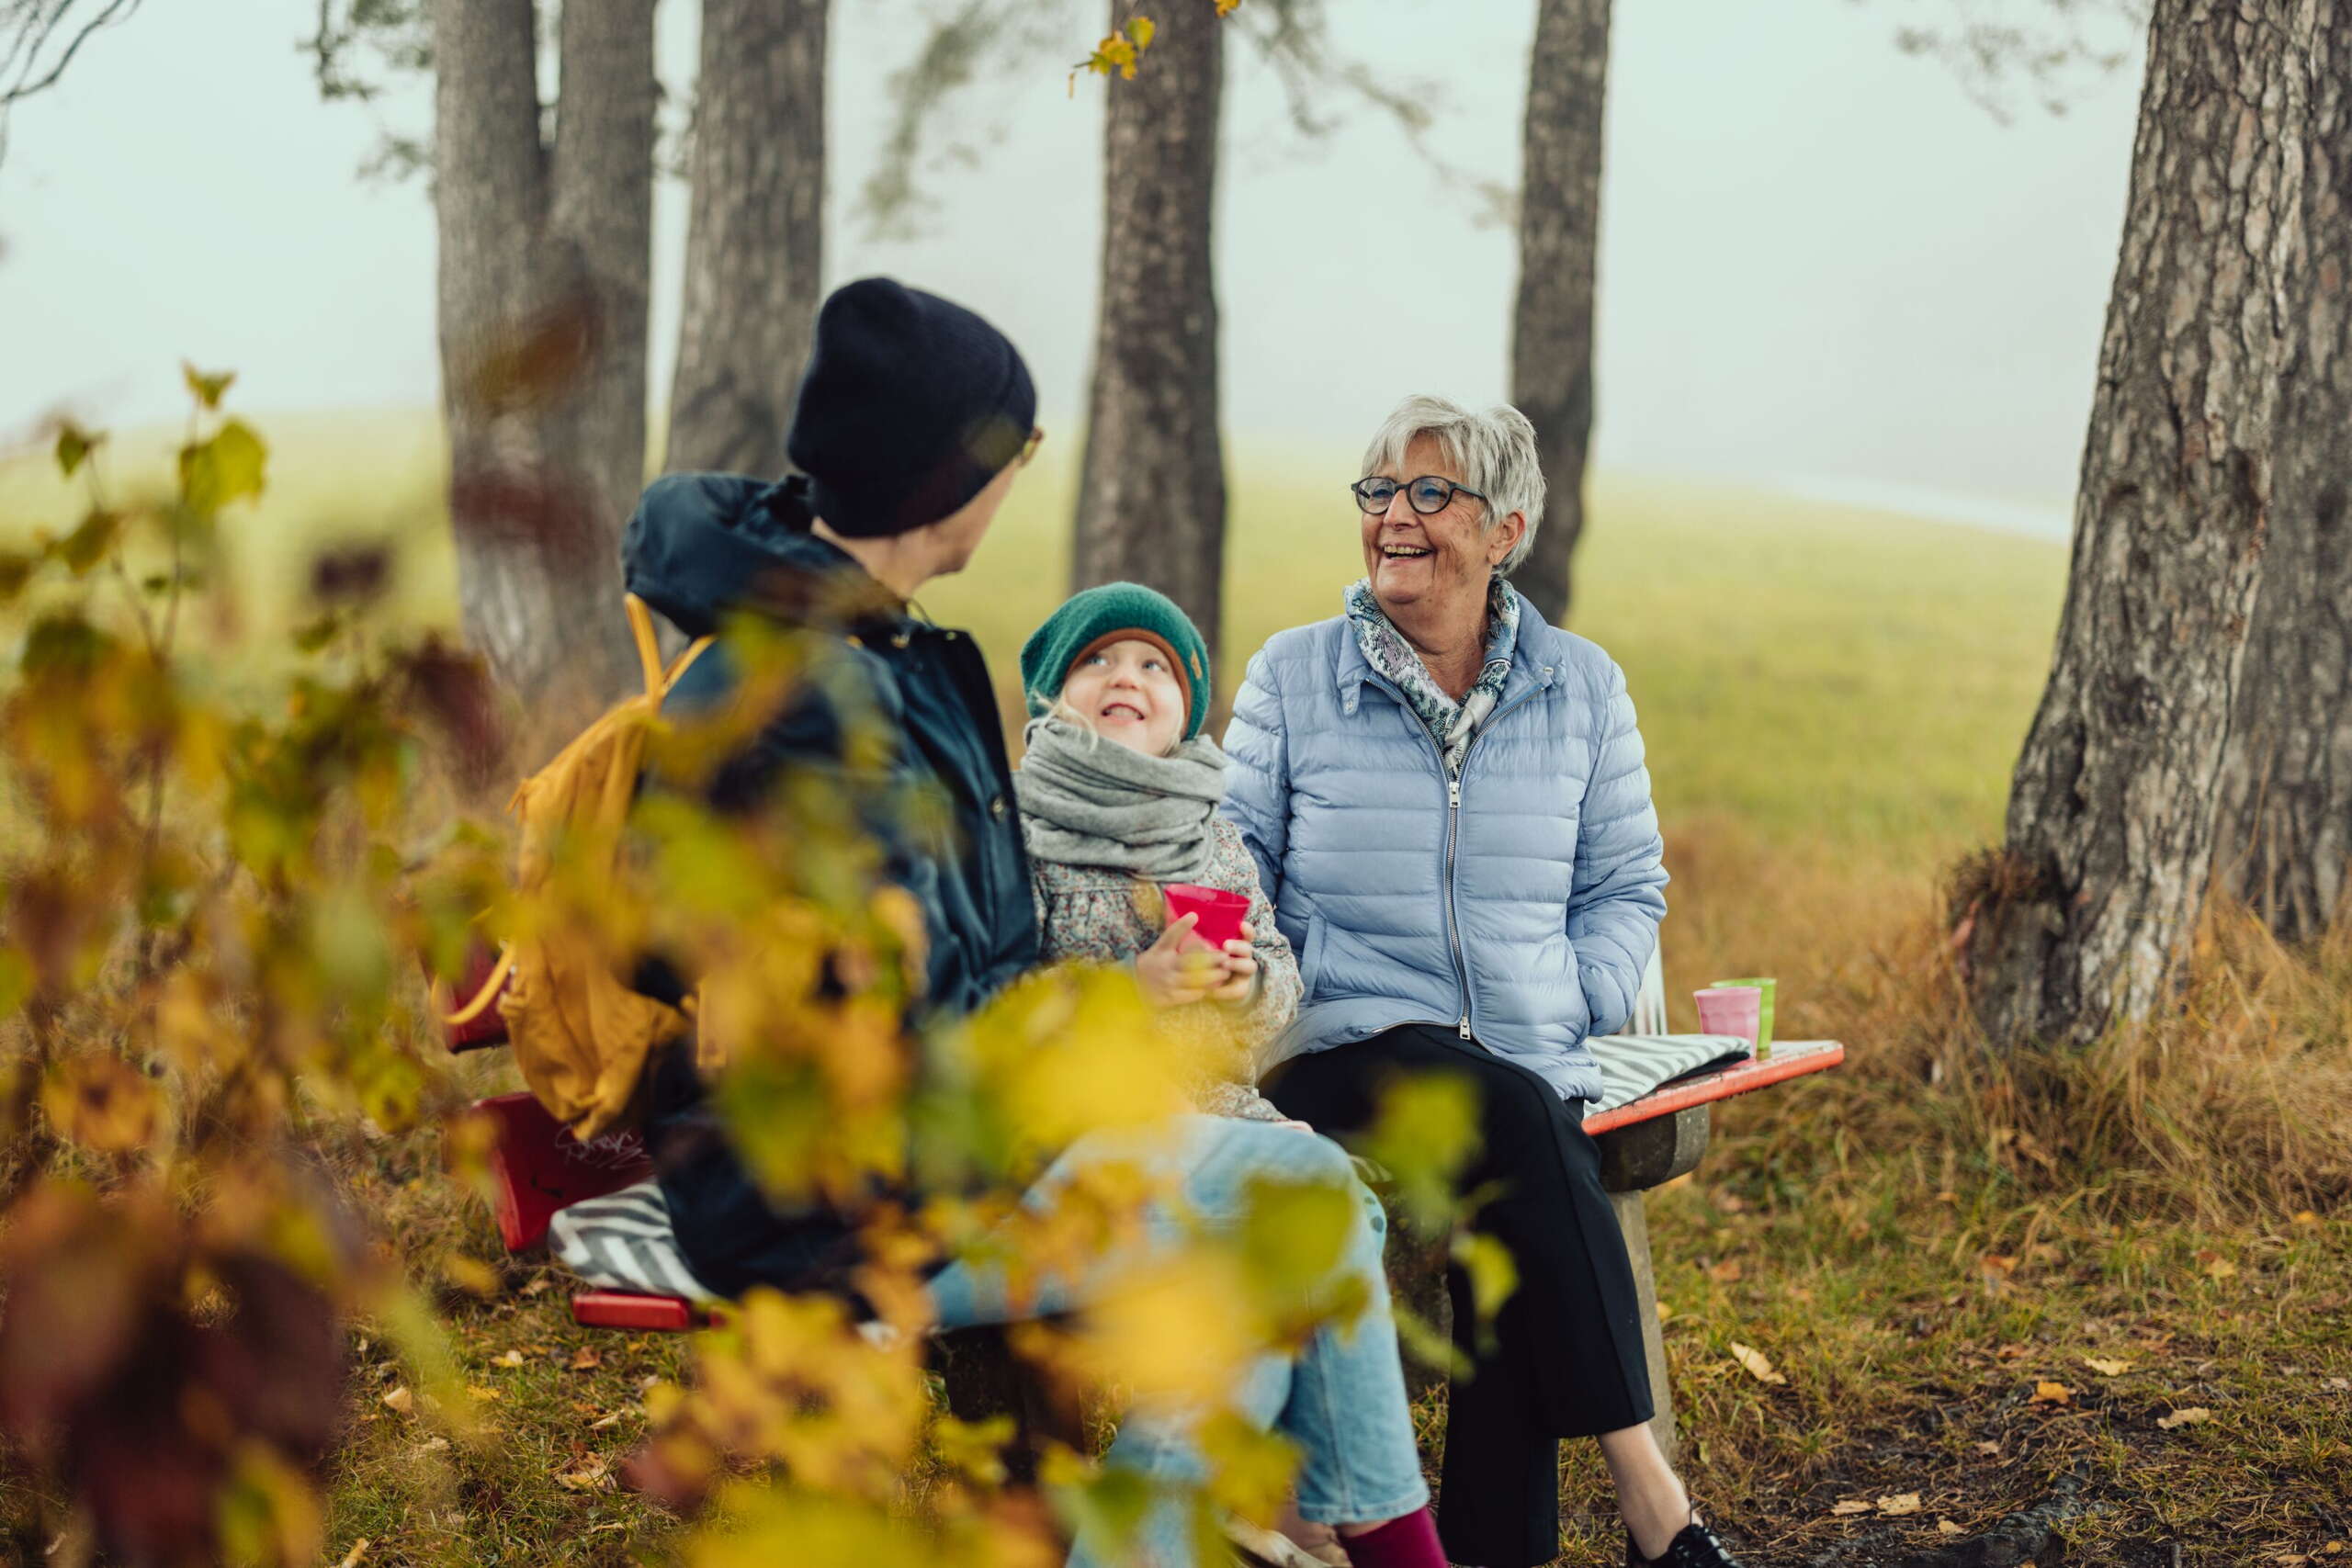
[{"x": 701, "y": 545}]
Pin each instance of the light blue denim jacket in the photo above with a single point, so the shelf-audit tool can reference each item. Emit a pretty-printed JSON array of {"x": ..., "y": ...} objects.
[{"x": 1520, "y": 905}]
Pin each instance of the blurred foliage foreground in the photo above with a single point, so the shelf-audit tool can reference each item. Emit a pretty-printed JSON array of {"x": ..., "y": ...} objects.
[{"x": 220, "y": 912}]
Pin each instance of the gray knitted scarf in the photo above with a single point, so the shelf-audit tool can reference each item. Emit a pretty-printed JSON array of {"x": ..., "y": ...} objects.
[
  {"x": 1088, "y": 801},
  {"x": 1451, "y": 724}
]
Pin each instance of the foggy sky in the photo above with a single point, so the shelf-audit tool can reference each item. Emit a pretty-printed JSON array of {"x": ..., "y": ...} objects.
[{"x": 1820, "y": 259}]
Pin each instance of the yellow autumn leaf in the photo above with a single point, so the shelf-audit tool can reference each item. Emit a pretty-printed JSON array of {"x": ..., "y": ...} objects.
[
  {"x": 1902, "y": 1502},
  {"x": 2304, "y": 1217},
  {"x": 1140, "y": 30},
  {"x": 2105, "y": 1367},
  {"x": 1945, "y": 1527},
  {"x": 2193, "y": 1415},
  {"x": 1757, "y": 1365},
  {"x": 2048, "y": 1393},
  {"x": 512, "y": 1358}
]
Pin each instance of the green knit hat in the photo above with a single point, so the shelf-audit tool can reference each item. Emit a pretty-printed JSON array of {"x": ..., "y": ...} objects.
[{"x": 1106, "y": 614}]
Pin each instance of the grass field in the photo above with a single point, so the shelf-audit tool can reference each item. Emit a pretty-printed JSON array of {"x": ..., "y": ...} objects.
[
  {"x": 1832, "y": 699},
  {"x": 1810, "y": 671}
]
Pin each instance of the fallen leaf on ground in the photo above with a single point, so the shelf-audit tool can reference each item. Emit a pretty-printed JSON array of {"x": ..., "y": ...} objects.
[
  {"x": 358, "y": 1549},
  {"x": 512, "y": 1358},
  {"x": 480, "y": 1395},
  {"x": 1727, "y": 1272},
  {"x": 1757, "y": 1365},
  {"x": 2048, "y": 1393},
  {"x": 2107, "y": 1369},
  {"x": 537, "y": 1285},
  {"x": 1902, "y": 1502},
  {"x": 586, "y": 1473},
  {"x": 1850, "y": 1506},
  {"x": 2304, "y": 1217},
  {"x": 2216, "y": 1265},
  {"x": 2340, "y": 1385},
  {"x": 603, "y": 1421},
  {"x": 1989, "y": 1447},
  {"x": 2194, "y": 1416},
  {"x": 1730, "y": 1203},
  {"x": 401, "y": 1400},
  {"x": 1945, "y": 1527},
  {"x": 584, "y": 1358},
  {"x": 2014, "y": 1352},
  {"x": 1665, "y": 1312}
]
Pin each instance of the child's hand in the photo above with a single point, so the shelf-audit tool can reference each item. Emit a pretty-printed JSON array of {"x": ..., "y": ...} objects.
[
  {"x": 1241, "y": 968},
  {"x": 1179, "y": 967}
]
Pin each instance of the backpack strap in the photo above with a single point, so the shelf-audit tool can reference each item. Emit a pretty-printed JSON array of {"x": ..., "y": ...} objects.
[
  {"x": 488, "y": 994},
  {"x": 658, "y": 678}
]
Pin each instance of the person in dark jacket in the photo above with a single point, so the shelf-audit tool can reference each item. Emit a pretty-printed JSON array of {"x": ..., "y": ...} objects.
[{"x": 914, "y": 416}]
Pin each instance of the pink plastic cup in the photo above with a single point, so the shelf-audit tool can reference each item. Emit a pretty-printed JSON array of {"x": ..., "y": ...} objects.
[
  {"x": 1221, "y": 913},
  {"x": 1731, "y": 1010}
]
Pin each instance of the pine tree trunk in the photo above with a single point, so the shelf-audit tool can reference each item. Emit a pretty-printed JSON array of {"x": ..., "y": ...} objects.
[
  {"x": 2077, "y": 924},
  {"x": 2286, "y": 822},
  {"x": 754, "y": 234},
  {"x": 1559, "y": 240},
  {"x": 1151, "y": 496},
  {"x": 543, "y": 284}
]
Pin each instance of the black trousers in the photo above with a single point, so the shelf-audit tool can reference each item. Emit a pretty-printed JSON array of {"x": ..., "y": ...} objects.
[{"x": 1566, "y": 1358}]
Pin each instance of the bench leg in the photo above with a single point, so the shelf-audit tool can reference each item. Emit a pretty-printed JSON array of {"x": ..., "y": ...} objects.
[{"x": 1634, "y": 1223}]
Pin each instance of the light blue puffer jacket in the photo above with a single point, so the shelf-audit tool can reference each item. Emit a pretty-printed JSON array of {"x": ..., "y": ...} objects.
[{"x": 1521, "y": 907}]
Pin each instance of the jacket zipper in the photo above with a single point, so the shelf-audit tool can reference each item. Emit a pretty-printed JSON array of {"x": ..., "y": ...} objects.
[{"x": 1452, "y": 829}]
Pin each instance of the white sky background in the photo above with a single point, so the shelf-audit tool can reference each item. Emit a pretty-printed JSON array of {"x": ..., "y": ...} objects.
[{"x": 1819, "y": 257}]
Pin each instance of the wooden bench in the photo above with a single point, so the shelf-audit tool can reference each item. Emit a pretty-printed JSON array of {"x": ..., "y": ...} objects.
[{"x": 538, "y": 1168}]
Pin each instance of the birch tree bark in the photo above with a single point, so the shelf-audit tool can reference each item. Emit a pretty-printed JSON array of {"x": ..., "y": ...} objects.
[
  {"x": 1559, "y": 238},
  {"x": 545, "y": 256},
  {"x": 1151, "y": 494},
  {"x": 754, "y": 234},
  {"x": 2077, "y": 923}
]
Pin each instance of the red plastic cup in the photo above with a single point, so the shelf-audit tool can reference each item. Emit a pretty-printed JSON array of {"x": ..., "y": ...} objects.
[
  {"x": 1731, "y": 1010},
  {"x": 1221, "y": 913}
]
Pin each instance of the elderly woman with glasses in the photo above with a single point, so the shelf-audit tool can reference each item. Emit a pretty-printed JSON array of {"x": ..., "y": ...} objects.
[{"x": 1448, "y": 806}]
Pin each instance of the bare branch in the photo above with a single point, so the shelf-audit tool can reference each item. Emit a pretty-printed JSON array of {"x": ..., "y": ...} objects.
[
  {"x": 37, "y": 22},
  {"x": 2051, "y": 50}
]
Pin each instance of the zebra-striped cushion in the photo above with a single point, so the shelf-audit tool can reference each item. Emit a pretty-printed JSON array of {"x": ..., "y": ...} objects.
[
  {"x": 1633, "y": 1064},
  {"x": 622, "y": 1241}
]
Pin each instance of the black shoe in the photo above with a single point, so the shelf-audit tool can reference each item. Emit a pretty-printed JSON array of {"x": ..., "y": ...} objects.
[{"x": 1696, "y": 1546}]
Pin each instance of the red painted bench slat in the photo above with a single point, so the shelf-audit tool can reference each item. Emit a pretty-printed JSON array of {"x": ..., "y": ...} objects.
[
  {"x": 537, "y": 1167},
  {"x": 1789, "y": 1059}
]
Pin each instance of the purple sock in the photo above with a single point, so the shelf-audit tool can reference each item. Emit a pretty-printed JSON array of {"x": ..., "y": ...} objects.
[{"x": 1407, "y": 1542}]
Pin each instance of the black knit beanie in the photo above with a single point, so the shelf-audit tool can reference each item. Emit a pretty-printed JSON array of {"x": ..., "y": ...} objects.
[{"x": 909, "y": 406}]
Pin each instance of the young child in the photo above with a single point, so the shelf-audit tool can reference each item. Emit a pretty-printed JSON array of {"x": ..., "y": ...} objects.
[{"x": 1118, "y": 793}]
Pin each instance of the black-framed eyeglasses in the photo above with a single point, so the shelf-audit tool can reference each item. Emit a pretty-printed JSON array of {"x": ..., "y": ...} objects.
[{"x": 1428, "y": 495}]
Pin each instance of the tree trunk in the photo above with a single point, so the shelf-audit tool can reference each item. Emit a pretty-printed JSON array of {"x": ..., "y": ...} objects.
[
  {"x": 754, "y": 234},
  {"x": 1151, "y": 496},
  {"x": 1559, "y": 239},
  {"x": 2077, "y": 923},
  {"x": 2285, "y": 823},
  {"x": 543, "y": 284}
]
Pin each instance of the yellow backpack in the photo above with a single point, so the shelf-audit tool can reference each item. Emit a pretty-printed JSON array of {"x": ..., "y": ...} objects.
[{"x": 580, "y": 1033}]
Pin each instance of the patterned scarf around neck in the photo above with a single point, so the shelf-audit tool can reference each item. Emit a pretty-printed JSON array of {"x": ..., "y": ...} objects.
[
  {"x": 1451, "y": 724},
  {"x": 1088, "y": 801}
]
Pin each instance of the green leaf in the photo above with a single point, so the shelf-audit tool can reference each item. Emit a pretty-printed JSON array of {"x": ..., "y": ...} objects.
[
  {"x": 315, "y": 635},
  {"x": 66, "y": 643},
  {"x": 74, "y": 446},
  {"x": 207, "y": 387},
  {"x": 86, "y": 545},
  {"x": 227, "y": 468},
  {"x": 1141, "y": 31}
]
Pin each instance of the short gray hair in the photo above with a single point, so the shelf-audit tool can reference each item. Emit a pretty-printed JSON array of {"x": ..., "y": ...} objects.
[{"x": 1494, "y": 452}]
